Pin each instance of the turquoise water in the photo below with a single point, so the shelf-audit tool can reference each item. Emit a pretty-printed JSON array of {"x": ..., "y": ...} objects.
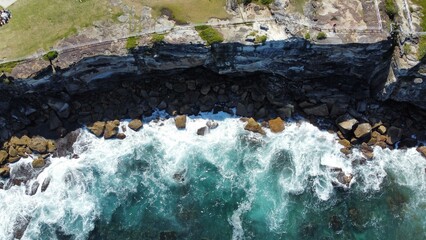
[{"x": 164, "y": 183}]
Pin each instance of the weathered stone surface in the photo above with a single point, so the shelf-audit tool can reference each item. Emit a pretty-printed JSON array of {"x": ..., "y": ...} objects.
[
  {"x": 97, "y": 128},
  {"x": 367, "y": 151},
  {"x": 320, "y": 110},
  {"x": 38, "y": 162},
  {"x": 180, "y": 121},
  {"x": 394, "y": 135},
  {"x": 38, "y": 144},
  {"x": 135, "y": 124},
  {"x": 254, "y": 126},
  {"x": 203, "y": 131},
  {"x": 276, "y": 125},
  {"x": 111, "y": 129},
  {"x": 362, "y": 130},
  {"x": 346, "y": 123},
  {"x": 3, "y": 156}
]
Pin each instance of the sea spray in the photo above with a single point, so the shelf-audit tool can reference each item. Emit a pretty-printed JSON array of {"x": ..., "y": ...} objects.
[{"x": 228, "y": 184}]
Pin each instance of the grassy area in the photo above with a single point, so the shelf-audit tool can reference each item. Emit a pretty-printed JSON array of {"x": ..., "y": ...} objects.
[
  {"x": 156, "y": 38},
  {"x": 8, "y": 67},
  {"x": 391, "y": 8},
  {"x": 40, "y": 24},
  {"x": 132, "y": 43},
  {"x": 195, "y": 11},
  {"x": 422, "y": 43},
  {"x": 209, "y": 34}
]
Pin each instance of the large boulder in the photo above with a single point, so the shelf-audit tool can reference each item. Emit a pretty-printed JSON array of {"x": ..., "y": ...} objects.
[
  {"x": 38, "y": 144},
  {"x": 3, "y": 156},
  {"x": 320, "y": 110},
  {"x": 362, "y": 130},
  {"x": 97, "y": 128},
  {"x": 394, "y": 135},
  {"x": 422, "y": 150},
  {"x": 180, "y": 121},
  {"x": 346, "y": 123},
  {"x": 111, "y": 129},
  {"x": 135, "y": 124},
  {"x": 38, "y": 162},
  {"x": 276, "y": 125},
  {"x": 254, "y": 126}
]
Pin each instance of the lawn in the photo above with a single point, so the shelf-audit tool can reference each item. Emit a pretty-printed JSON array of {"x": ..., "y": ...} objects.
[
  {"x": 194, "y": 11},
  {"x": 39, "y": 24}
]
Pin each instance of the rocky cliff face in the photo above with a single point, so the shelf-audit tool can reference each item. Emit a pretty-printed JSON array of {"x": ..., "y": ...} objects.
[{"x": 325, "y": 75}]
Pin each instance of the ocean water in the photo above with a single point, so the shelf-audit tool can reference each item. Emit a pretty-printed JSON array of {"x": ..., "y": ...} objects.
[{"x": 164, "y": 183}]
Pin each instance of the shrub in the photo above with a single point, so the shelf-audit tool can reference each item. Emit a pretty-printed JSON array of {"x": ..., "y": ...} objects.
[
  {"x": 307, "y": 36},
  {"x": 156, "y": 38},
  {"x": 50, "y": 56},
  {"x": 209, "y": 34},
  {"x": 261, "y": 39},
  {"x": 132, "y": 43},
  {"x": 321, "y": 36},
  {"x": 390, "y": 8}
]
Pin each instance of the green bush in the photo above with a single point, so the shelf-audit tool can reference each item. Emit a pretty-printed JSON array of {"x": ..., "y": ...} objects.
[
  {"x": 156, "y": 38},
  {"x": 50, "y": 56},
  {"x": 132, "y": 43},
  {"x": 307, "y": 36},
  {"x": 209, "y": 34},
  {"x": 321, "y": 36},
  {"x": 390, "y": 8},
  {"x": 261, "y": 39}
]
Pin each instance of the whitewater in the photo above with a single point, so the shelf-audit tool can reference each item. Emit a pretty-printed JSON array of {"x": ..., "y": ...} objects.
[{"x": 165, "y": 183}]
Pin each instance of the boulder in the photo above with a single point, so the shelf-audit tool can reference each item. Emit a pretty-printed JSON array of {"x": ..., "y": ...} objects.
[
  {"x": 13, "y": 152},
  {"x": 203, "y": 131},
  {"x": 51, "y": 146},
  {"x": 346, "y": 123},
  {"x": 422, "y": 150},
  {"x": 362, "y": 130},
  {"x": 253, "y": 126},
  {"x": 111, "y": 129},
  {"x": 345, "y": 143},
  {"x": 5, "y": 171},
  {"x": 242, "y": 110},
  {"x": 276, "y": 125},
  {"x": 23, "y": 151},
  {"x": 320, "y": 110},
  {"x": 3, "y": 156},
  {"x": 212, "y": 124},
  {"x": 97, "y": 128},
  {"x": 394, "y": 135},
  {"x": 180, "y": 121},
  {"x": 61, "y": 108},
  {"x": 24, "y": 140},
  {"x": 135, "y": 124},
  {"x": 381, "y": 129},
  {"x": 367, "y": 151},
  {"x": 38, "y": 144},
  {"x": 38, "y": 162},
  {"x": 344, "y": 179},
  {"x": 13, "y": 159},
  {"x": 121, "y": 136}
]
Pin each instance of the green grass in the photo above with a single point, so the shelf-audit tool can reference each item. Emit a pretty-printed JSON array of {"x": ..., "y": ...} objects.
[
  {"x": 39, "y": 25},
  {"x": 156, "y": 38},
  {"x": 8, "y": 67},
  {"x": 307, "y": 36},
  {"x": 261, "y": 39},
  {"x": 391, "y": 8},
  {"x": 422, "y": 44},
  {"x": 407, "y": 48},
  {"x": 422, "y": 48},
  {"x": 194, "y": 11},
  {"x": 132, "y": 43},
  {"x": 209, "y": 34},
  {"x": 321, "y": 36}
]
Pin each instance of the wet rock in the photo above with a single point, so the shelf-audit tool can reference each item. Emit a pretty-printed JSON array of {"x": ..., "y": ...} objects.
[
  {"x": 407, "y": 143},
  {"x": 422, "y": 150},
  {"x": 12, "y": 151},
  {"x": 51, "y": 146},
  {"x": 394, "y": 135},
  {"x": 111, "y": 129},
  {"x": 212, "y": 124},
  {"x": 45, "y": 184},
  {"x": 64, "y": 146},
  {"x": 3, "y": 156},
  {"x": 336, "y": 223},
  {"x": 345, "y": 143},
  {"x": 38, "y": 144},
  {"x": 344, "y": 179},
  {"x": 54, "y": 121},
  {"x": 241, "y": 110},
  {"x": 346, "y": 151},
  {"x": 121, "y": 136},
  {"x": 203, "y": 131},
  {"x": 367, "y": 151},
  {"x": 135, "y": 124},
  {"x": 254, "y": 126},
  {"x": 5, "y": 171},
  {"x": 38, "y": 162},
  {"x": 180, "y": 121},
  {"x": 346, "y": 123},
  {"x": 33, "y": 189},
  {"x": 13, "y": 159},
  {"x": 320, "y": 110},
  {"x": 276, "y": 125},
  {"x": 97, "y": 128},
  {"x": 362, "y": 130}
]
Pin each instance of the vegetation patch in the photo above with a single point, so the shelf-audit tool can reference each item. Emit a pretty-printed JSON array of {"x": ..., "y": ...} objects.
[
  {"x": 132, "y": 43},
  {"x": 8, "y": 67},
  {"x": 50, "y": 56},
  {"x": 422, "y": 48},
  {"x": 156, "y": 38},
  {"x": 261, "y": 39},
  {"x": 321, "y": 36},
  {"x": 307, "y": 36},
  {"x": 209, "y": 34},
  {"x": 422, "y": 42},
  {"x": 391, "y": 8}
]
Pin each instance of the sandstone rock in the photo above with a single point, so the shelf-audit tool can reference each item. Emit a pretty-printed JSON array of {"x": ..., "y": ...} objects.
[
  {"x": 253, "y": 126},
  {"x": 346, "y": 123},
  {"x": 38, "y": 144},
  {"x": 38, "y": 162},
  {"x": 24, "y": 140},
  {"x": 381, "y": 129},
  {"x": 367, "y": 151},
  {"x": 203, "y": 131},
  {"x": 13, "y": 159},
  {"x": 345, "y": 143},
  {"x": 422, "y": 150},
  {"x": 180, "y": 121},
  {"x": 51, "y": 146},
  {"x": 121, "y": 136},
  {"x": 3, "y": 156},
  {"x": 346, "y": 151},
  {"x": 5, "y": 171},
  {"x": 212, "y": 124},
  {"x": 135, "y": 124},
  {"x": 23, "y": 151},
  {"x": 97, "y": 128},
  {"x": 320, "y": 110},
  {"x": 394, "y": 135},
  {"x": 276, "y": 125},
  {"x": 111, "y": 129},
  {"x": 13, "y": 152},
  {"x": 362, "y": 130}
]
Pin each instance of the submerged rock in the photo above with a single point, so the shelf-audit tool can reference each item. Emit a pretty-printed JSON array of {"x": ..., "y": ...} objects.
[
  {"x": 203, "y": 131},
  {"x": 5, "y": 171},
  {"x": 135, "y": 124},
  {"x": 276, "y": 125},
  {"x": 254, "y": 126},
  {"x": 180, "y": 121},
  {"x": 97, "y": 128},
  {"x": 212, "y": 124}
]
